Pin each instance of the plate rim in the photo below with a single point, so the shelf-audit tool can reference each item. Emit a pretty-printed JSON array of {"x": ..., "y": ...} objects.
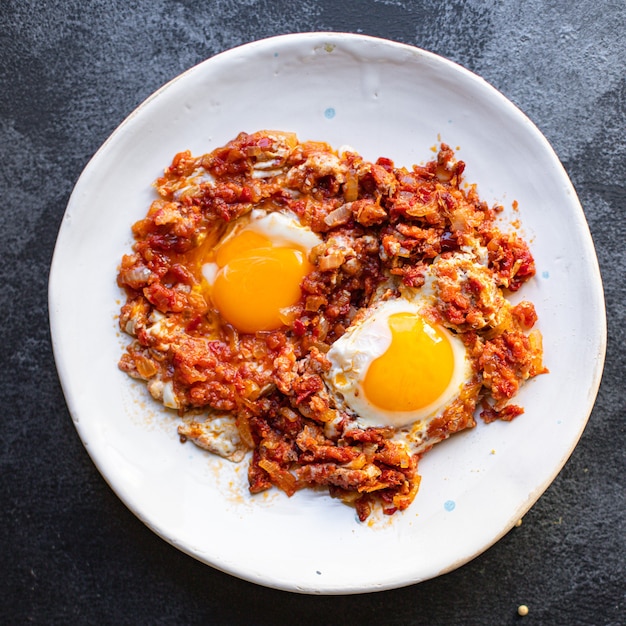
[{"x": 54, "y": 306}]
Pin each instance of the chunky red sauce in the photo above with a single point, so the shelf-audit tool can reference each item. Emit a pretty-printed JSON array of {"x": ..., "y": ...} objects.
[{"x": 380, "y": 228}]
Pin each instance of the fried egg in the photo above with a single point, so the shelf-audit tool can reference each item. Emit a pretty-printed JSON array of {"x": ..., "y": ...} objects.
[
  {"x": 257, "y": 268},
  {"x": 397, "y": 366}
]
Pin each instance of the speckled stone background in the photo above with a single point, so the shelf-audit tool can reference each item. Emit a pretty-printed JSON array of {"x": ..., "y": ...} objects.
[{"x": 70, "y": 72}]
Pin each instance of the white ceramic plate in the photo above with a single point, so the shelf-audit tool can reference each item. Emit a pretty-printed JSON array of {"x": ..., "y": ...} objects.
[{"x": 384, "y": 99}]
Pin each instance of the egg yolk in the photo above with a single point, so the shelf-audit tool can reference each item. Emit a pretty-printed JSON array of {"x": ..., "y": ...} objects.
[
  {"x": 416, "y": 368},
  {"x": 256, "y": 279}
]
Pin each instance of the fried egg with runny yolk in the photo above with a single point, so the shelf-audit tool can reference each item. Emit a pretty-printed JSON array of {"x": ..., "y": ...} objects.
[
  {"x": 256, "y": 270},
  {"x": 396, "y": 366}
]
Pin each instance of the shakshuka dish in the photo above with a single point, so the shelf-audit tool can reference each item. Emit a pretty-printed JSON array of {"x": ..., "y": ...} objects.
[{"x": 325, "y": 318}]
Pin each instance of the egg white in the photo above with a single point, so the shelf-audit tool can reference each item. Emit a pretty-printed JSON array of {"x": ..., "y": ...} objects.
[{"x": 367, "y": 339}]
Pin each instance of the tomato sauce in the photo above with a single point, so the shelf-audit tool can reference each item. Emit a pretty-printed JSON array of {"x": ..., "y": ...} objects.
[{"x": 380, "y": 226}]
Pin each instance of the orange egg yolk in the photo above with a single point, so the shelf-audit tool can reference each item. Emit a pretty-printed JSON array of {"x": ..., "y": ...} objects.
[
  {"x": 416, "y": 368},
  {"x": 256, "y": 279}
]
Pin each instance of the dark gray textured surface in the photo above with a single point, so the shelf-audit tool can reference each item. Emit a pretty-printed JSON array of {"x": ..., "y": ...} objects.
[{"x": 70, "y": 72}]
